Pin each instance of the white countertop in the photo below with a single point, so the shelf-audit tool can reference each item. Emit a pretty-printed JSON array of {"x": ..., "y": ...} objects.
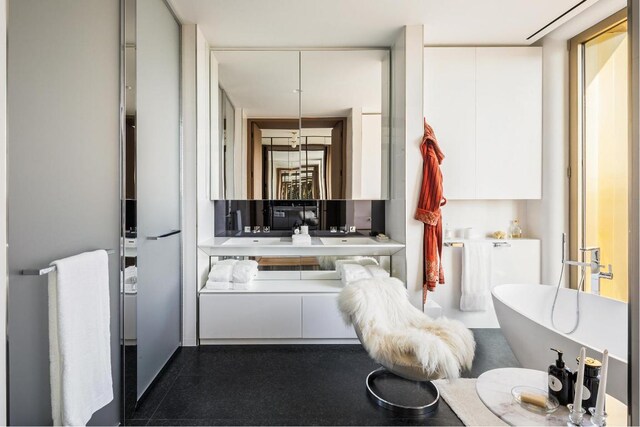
[{"x": 216, "y": 247}]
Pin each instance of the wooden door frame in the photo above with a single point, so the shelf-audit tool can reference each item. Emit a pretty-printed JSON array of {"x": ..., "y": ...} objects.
[{"x": 293, "y": 123}]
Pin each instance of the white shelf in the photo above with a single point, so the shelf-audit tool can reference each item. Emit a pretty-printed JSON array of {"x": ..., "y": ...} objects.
[{"x": 298, "y": 286}]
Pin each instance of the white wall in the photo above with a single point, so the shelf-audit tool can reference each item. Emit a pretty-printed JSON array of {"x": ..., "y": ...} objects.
[
  {"x": 198, "y": 125},
  {"x": 371, "y": 157},
  {"x": 189, "y": 180},
  {"x": 207, "y": 114},
  {"x": 548, "y": 217},
  {"x": 406, "y": 160},
  {"x": 485, "y": 216}
]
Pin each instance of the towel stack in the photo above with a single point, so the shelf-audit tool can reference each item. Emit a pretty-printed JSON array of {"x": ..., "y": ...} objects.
[
  {"x": 301, "y": 239},
  {"x": 232, "y": 274},
  {"x": 354, "y": 270}
]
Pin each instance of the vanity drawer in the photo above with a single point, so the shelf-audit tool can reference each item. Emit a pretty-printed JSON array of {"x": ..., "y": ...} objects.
[
  {"x": 321, "y": 318},
  {"x": 250, "y": 316}
]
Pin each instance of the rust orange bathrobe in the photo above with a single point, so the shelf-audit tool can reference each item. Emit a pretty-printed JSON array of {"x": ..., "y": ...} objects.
[{"x": 428, "y": 212}]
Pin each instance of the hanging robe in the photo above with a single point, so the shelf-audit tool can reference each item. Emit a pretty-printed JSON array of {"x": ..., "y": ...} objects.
[{"x": 428, "y": 212}]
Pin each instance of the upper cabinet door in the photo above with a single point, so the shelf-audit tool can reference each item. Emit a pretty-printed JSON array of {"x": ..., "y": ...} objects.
[
  {"x": 450, "y": 108},
  {"x": 509, "y": 122}
]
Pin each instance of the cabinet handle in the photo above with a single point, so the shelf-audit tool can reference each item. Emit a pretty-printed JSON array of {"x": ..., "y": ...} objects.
[{"x": 162, "y": 236}]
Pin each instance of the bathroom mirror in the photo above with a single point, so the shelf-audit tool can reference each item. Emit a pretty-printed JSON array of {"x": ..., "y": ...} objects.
[{"x": 311, "y": 125}]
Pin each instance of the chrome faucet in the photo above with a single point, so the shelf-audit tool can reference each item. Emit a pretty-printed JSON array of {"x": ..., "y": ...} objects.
[
  {"x": 594, "y": 265},
  {"x": 596, "y": 274}
]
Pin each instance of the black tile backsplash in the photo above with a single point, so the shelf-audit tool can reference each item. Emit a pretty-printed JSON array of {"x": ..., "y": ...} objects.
[{"x": 231, "y": 216}]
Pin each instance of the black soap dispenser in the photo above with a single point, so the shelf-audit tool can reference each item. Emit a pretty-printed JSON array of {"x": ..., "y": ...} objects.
[{"x": 560, "y": 381}]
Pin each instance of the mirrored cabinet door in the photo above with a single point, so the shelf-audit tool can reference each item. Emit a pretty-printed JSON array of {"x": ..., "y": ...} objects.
[
  {"x": 300, "y": 125},
  {"x": 344, "y": 109},
  {"x": 257, "y": 153}
]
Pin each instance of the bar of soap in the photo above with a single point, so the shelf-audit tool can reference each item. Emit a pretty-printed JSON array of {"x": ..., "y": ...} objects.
[{"x": 534, "y": 399}]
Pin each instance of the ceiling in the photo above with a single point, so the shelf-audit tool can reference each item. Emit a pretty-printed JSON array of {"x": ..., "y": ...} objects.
[{"x": 361, "y": 23}]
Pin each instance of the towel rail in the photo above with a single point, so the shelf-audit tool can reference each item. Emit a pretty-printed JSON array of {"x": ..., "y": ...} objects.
[
  {"x": 461, "y": 244},
  {"x": 49, "y": 269}
]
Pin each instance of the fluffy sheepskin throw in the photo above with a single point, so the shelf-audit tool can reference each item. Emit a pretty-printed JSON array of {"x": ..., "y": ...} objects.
[{"x": 394, "y": 332}]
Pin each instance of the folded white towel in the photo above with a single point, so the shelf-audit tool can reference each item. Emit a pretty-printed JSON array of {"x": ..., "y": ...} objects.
[
  {"x": 79, "y": 337},
  {"x": 222, "y": 271},
  {"x": 353, "y": 272},
  {"x": 476, "y": 276},
  {"x": 217, "y": 286},
  {"x": 245, "y": 271},
  {"x": 131, "y": 274},
  {"x": 366, "y": 260},
  {"x": 376, "y": 271},
  {"x": 228, "y": 261},
  {"x": 301, "y": 239},
  {"x": 339, "y": 263}
]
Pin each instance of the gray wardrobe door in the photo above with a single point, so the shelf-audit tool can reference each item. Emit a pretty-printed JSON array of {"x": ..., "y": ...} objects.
[
  {"x": 158, "y": 188},
  {"x": 63, "y": 176}
]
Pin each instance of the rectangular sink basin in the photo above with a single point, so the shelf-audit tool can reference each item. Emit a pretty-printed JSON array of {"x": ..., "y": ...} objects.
[
  {"x": 251, "y": 241},
  {"x": 347, "y": 241}
]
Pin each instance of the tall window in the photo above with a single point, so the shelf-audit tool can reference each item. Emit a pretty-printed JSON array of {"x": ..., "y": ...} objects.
[{"x": 600, "y": 151}]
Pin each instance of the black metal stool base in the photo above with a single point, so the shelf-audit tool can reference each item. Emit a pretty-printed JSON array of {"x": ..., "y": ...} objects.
[{"x": 429, "y": 406}]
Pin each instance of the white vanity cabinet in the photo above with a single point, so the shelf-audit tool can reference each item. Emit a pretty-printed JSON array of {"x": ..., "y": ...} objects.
[
  {"x": 485, "y": 105},
  {"x": 294, "y": 297},
  {"x": 274, "y": 311}
]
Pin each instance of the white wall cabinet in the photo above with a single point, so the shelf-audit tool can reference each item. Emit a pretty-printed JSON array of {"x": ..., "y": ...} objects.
[
  {"x": 485, "y": 105},
  {"x": 450, "y": 107}
]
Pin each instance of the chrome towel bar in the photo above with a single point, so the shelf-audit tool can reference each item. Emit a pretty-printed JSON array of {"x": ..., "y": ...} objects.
[
  {"x": 461, "y": 244},
  {"x": 49, "y": 269}
]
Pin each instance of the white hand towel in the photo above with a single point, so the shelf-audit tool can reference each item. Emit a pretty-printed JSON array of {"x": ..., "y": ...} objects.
[
  {"x": 221, "y": 272},
  {"x": 217, "y": 286},
  {"x": 301, "y": 239},
  {"x": 79, "y": 337},
  {"x": 476, "y": 276},
  {"x": 376, "y": 271},
  {"x": 353, "y": 272},
  {"x": 245, "y": 271}
]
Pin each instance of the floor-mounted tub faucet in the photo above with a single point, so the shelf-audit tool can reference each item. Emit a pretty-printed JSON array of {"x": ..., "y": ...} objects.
[
  {"x": 595, "y": 266},
  {"x": 596, "y": 274}
]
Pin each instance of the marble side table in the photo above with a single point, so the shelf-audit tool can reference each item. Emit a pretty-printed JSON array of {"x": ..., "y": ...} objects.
[{"x": 494, "y": 389}]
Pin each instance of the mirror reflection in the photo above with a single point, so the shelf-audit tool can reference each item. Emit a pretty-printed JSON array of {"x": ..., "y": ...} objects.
[{"x": 301, "y": 125}]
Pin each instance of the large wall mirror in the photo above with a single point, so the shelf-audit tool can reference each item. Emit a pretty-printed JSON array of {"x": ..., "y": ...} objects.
[{"x": 293, "y": 125}]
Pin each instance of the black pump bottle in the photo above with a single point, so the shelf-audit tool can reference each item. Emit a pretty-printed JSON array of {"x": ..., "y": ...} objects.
[{"x": 560, "y": 381}]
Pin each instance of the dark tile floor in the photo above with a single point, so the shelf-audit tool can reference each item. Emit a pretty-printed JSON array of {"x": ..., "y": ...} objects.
[{"x": 285, "y": 385}]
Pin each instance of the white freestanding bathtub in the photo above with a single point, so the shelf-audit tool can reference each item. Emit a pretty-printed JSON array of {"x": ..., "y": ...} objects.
[{"x": 524, "y": 314}]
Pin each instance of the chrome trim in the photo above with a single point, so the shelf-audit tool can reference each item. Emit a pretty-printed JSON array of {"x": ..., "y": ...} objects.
[
  {"x": 47, "y": 270},
  {"x": 461, "y": 244},
  {"x": 165, "y": 235},
  {"x": 408, "y": 410}
]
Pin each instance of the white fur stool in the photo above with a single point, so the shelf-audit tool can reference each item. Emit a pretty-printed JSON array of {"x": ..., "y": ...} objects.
[{"x": 405, "y": 341}]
